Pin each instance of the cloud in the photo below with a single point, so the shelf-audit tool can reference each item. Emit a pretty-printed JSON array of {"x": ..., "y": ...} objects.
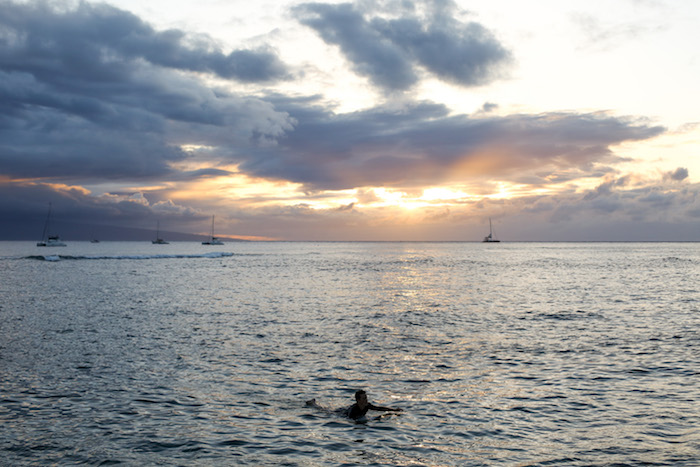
[
  {"x": 202, "y": 173},
  {"x": 371, "y": 54},
  {"x": 680, "y": 174},
  {"x": 387, "y": 51},
  {"x": 92, "y": 96},
  {"x": 94, "y": 93},
  {"x": 488, "y": 107},
  {"x": 100, "y": 43},
  {"x": 627, "y": 198},
  {"x": 423, "y": 144},
  {"x": 601, "y": 34},
  {"x": 347, "y": 207},
  {"x": 607, "y": 187}
]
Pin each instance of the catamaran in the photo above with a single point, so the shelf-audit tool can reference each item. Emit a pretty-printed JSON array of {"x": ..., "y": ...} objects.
[
  {"x": 212, "y": 239},
  {"x": 46, "y": 238},
  {"x": 158, "y": 240},
  {"x": 490, "y": 238}
]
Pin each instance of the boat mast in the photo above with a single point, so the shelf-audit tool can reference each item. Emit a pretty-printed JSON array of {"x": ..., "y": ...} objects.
[{"x": 47, "y": 224}]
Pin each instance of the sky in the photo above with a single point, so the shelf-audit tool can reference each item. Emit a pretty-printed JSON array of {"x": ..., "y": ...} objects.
[{"x": 388, "y": 120}]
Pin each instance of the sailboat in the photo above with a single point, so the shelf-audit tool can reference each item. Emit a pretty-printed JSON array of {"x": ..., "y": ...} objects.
[
  {"x": 158, "y": 240},
  {"x": 212, "y": 239},
  {"x": 46, "y": 238},
  {"x": 489, "y": 238}
]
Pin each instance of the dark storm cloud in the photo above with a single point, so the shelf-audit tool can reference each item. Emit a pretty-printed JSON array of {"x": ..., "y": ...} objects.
[
  {"x": 99, "y": 42},
  {"x": 94, "y": 93},
  {"x": 423, "y": 144},
  {"x": 387, "y": 50}
]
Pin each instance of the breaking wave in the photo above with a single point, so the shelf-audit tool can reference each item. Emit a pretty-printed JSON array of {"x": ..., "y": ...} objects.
[{"x": 216, "y": 254}]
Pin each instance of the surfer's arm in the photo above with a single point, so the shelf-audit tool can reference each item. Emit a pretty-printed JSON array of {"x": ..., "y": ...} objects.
[{"x": 384, "y": 409}]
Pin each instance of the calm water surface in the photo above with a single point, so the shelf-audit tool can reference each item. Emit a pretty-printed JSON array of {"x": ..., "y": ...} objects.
[{"x": 507, "y": 354}]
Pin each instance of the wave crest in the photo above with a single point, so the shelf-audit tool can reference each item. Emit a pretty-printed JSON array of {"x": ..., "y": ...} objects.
[{"x": 216, "y": 254}]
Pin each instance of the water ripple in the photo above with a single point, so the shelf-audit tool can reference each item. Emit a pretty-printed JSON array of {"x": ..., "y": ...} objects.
[{"x": 529, "y": 354}]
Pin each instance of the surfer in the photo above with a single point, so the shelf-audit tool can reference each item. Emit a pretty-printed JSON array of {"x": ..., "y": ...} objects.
[{"x": 360, "y": 408}]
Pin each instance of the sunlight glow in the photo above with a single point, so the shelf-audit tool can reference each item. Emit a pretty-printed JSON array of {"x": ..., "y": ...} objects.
[
  {"x": 67, "y": 188},
  {"x": 443, "y": 194},
  {"x": 389, "y": 198},
  {"x": 196, "y": 147},
  {"x": 245, "y": 189}
]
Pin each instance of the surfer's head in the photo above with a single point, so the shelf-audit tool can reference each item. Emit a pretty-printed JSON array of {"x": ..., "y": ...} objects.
[{"x": 361, "y": 397}]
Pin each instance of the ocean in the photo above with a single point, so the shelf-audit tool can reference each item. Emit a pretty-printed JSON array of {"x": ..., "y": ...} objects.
[{"x": 514, "y": 354}]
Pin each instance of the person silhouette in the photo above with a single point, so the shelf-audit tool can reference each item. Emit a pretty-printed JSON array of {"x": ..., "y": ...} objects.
[{"x": 360, "y": 408}]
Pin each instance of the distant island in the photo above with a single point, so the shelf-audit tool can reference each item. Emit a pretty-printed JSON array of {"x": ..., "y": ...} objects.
[{"x": 87, "y": 232}]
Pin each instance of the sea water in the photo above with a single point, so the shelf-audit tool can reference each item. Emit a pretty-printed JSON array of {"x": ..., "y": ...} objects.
[{"x": 499, "y": 354}]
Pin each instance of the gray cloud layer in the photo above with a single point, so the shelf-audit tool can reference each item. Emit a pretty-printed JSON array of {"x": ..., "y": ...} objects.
[
  {"x": 100, "y": 43},
  {"x": 423, "y": 144},
  {"x": 81, "y": 100},
  {"x": 94, "y": 94},
  {"x": 388, "y": 50}
]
